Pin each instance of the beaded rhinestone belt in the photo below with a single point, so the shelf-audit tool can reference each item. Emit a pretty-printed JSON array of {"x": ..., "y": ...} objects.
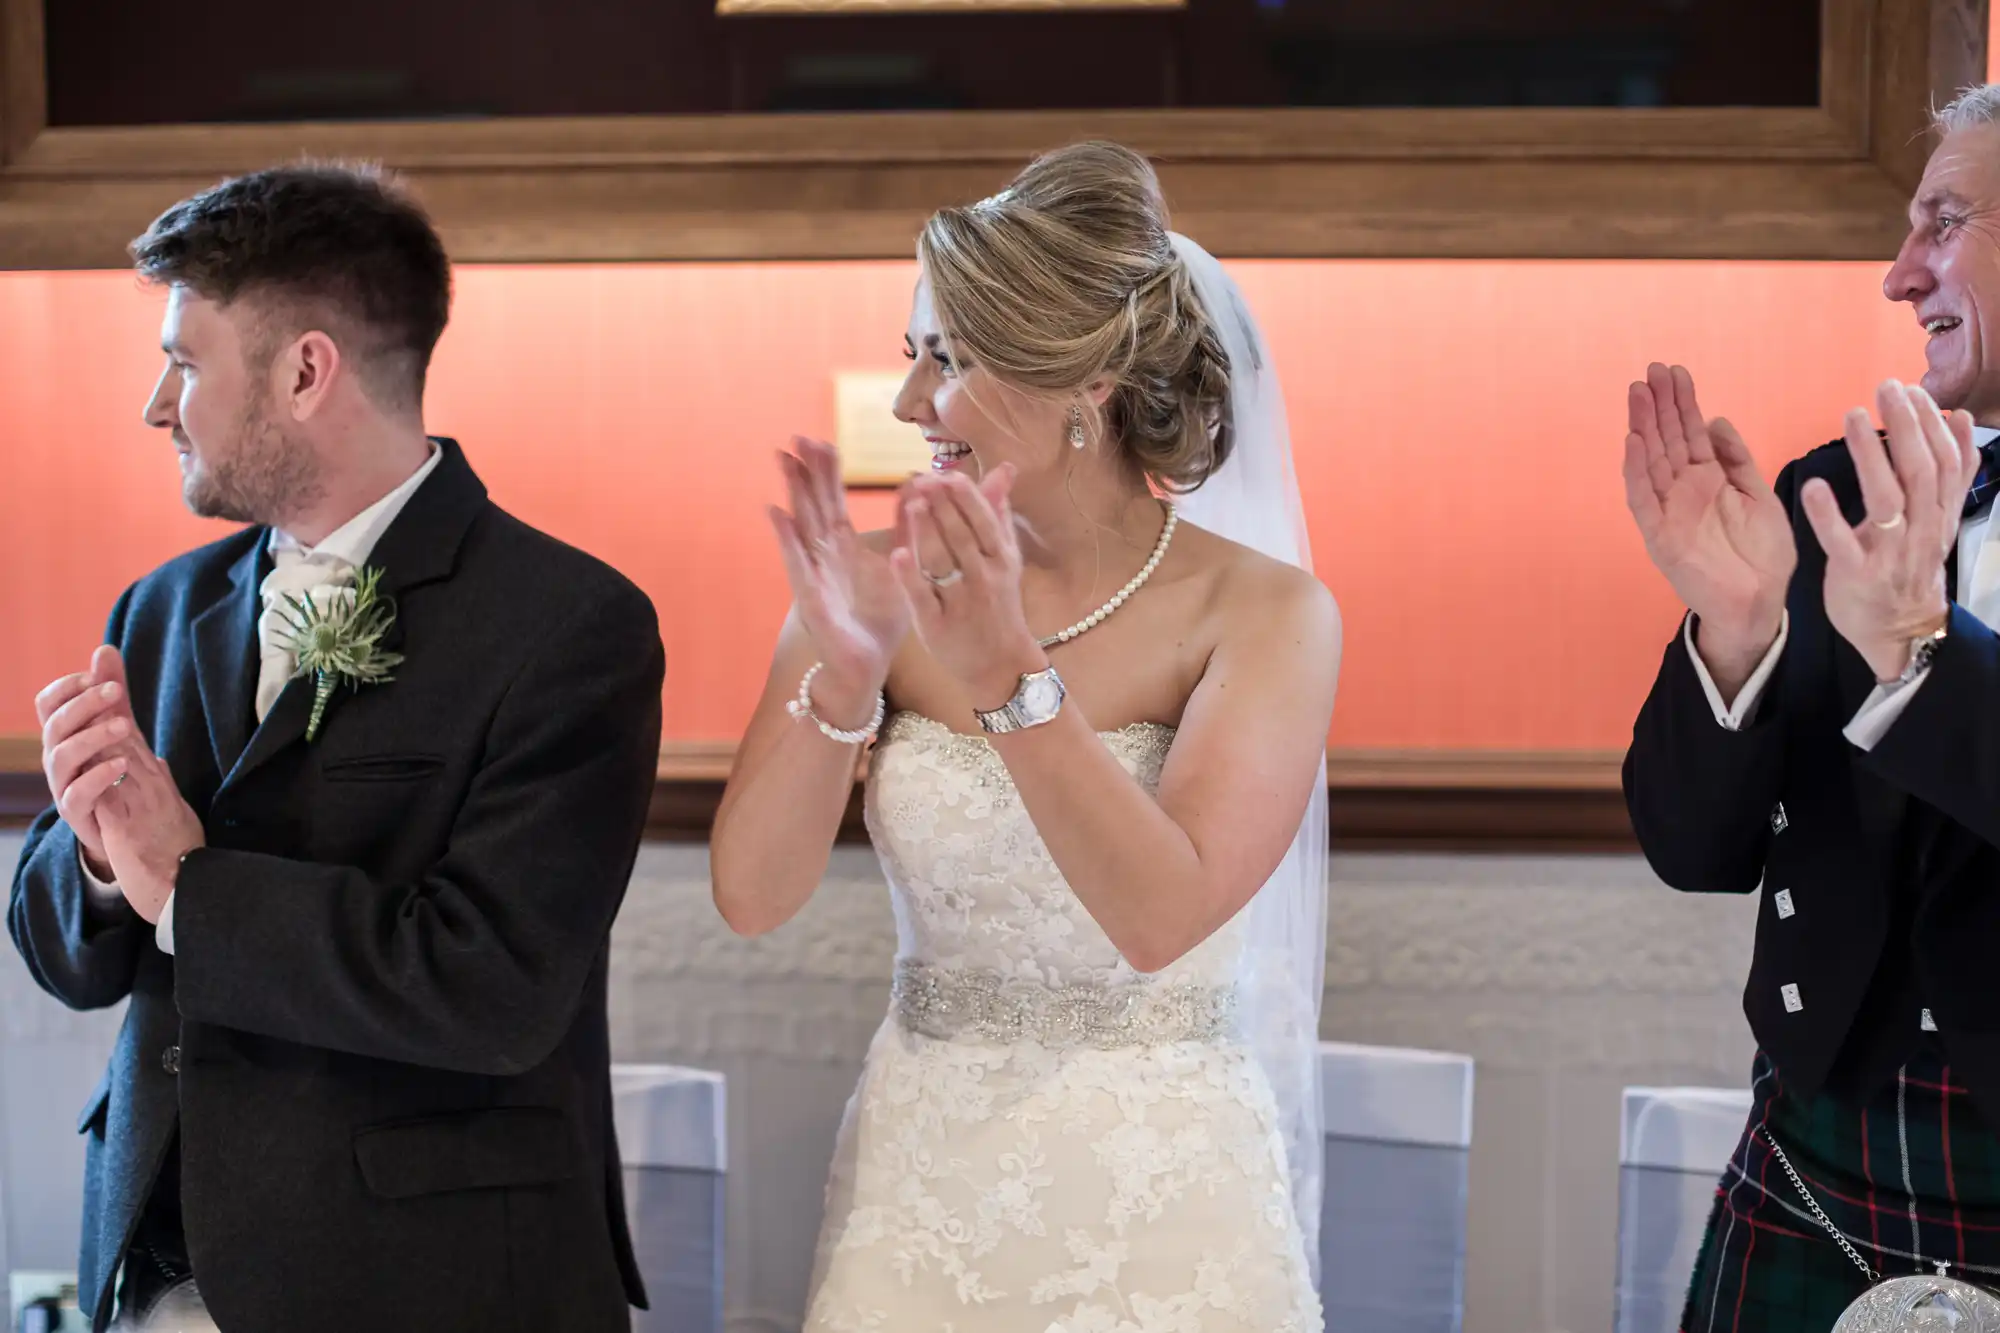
[{"x": 950, "y": 1004}]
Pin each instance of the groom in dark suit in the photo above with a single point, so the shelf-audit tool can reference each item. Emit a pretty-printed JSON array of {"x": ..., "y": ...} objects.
[
  {"x": 355, "y": 870},
  {"x": 1826, "y": 727}
]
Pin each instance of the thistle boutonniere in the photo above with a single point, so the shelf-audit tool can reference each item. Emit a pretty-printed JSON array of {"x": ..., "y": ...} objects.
[{"x": 337, "y": 640}]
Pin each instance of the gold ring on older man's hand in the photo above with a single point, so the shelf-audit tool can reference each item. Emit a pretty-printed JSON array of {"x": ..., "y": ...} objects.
[
  {"x": 1889, "y": 524},
  {"x": 942, "y": 580}
]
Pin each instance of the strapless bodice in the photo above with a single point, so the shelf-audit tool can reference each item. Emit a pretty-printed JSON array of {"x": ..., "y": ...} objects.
[{"x": 975, "y": 889}]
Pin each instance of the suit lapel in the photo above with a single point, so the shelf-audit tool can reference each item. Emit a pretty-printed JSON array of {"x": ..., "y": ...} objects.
[
  {"x": 421, "y": 546},
  {"x": 225, "y": 657},
  {"x": 284, "y": 724}
]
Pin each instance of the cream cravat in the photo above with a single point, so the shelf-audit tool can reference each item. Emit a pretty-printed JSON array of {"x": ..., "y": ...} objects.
[
  {"x": 1982, "y": 598},
  {"x": 297, "y": 574}
]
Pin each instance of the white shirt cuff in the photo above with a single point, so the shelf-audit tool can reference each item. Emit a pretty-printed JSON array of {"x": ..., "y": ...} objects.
[
  {"x": 103, "y": 895},
  {"x": 1737, "y": 715},
  {"x": 163, "y": 933},
  {"x": 1879, "y": 711}
]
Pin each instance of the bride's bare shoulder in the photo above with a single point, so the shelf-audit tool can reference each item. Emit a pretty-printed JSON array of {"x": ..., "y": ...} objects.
[{"x": 1248, "y": 591}]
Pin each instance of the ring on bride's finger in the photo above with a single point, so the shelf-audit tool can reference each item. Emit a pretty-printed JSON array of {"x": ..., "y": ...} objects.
[
  {"x": 942, "y": 580},
  {"x": 1889, "y": 524}
]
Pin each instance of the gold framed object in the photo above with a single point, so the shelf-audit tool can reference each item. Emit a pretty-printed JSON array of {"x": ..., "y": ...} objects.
[
  {"x": 1807, "y": 182},
  {"x": 751, "y": 8},
  {"x": 876, "y": 450}
]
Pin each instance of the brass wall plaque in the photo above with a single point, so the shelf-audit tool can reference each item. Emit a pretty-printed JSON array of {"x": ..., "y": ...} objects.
[
  {"x": 754, "y": 7},
  {"x": 875, "y": 448}
]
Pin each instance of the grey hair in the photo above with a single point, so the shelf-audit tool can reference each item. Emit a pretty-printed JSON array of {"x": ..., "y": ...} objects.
[{"x": 1974, "y": 106}]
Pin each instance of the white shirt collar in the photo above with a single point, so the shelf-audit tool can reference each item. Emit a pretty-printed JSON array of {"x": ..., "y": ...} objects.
[
  {"x": 354, "y": 541},
  {"x": 1983, "y": 435}
]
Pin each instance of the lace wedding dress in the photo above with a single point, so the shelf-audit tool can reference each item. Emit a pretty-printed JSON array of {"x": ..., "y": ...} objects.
[{"x": 1044, "y": 1140}]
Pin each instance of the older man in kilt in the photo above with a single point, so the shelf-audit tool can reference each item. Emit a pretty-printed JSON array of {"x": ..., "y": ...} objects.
[{"x": 1826, "y": 726}]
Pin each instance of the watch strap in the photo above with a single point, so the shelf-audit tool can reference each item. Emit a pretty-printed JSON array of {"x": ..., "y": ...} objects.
[
  {"x": 1013, "y": 715},
  {"x": 1001, "y": 720},
  {"x": 1922, "y": 652}
]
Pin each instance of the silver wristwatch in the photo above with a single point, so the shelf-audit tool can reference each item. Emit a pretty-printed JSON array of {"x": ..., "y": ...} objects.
[
  {"x": 1038, "y": 700},
  {"x": 1922, "y": 650}
]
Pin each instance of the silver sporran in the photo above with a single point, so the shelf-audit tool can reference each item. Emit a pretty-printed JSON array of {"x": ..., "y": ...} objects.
[{"x": 1934, "y": 1303}]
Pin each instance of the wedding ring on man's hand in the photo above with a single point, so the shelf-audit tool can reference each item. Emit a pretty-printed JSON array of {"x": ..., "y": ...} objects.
[
  {"x": 942, "y": 580},
  {"x": 1889, "y": 524},
  {"x": 119, "y": 781}
]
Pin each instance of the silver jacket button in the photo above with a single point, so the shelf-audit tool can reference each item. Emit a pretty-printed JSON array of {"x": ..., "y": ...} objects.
[{"x": 170, "y": 1059}]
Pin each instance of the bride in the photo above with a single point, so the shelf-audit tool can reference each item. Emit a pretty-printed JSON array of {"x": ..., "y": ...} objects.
[{"x": 1097, "y": 790}]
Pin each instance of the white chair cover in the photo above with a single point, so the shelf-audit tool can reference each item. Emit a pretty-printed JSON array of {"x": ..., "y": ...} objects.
[
  {"x": 673, "y": 1141},
  {"x": 1392, "y": 1222},
  {"x": 1673, "y": 1147}
]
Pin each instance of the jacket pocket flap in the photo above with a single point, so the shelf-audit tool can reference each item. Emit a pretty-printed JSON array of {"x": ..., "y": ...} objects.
[
  {"x": 491, "y": 1149},
  {"x": 94, "y": 1108},
  {"x": 381, "y": 767}
]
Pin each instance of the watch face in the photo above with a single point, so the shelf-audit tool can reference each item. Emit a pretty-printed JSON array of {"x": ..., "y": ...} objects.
[{"x": 1040, "y": 696}]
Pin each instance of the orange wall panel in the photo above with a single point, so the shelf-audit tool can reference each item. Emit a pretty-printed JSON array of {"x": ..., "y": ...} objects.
[{"x": 1458, "y": 427}]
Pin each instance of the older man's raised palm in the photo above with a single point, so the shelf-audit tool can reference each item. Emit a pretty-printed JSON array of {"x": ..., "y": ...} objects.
[{"x": 1711, "y": 522}]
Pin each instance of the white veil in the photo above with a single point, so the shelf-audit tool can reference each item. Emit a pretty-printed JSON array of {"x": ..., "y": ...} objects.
[{"x": 1254, "y": 499}]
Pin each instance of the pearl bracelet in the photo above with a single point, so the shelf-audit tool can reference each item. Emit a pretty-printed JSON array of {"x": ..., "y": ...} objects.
[{"x": 801, "y": 708}]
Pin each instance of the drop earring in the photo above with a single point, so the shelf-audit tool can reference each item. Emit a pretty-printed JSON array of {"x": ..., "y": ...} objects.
[{"x": 1076, "y": 436}]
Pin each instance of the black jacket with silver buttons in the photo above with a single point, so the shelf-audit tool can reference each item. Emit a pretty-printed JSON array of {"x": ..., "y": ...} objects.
[{"x": 1880, "y": 868}]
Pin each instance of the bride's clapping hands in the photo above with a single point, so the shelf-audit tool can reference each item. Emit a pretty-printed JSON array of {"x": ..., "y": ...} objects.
[
  {"x": 847, "y": 596},
  {"x": 959, "y": 560}
]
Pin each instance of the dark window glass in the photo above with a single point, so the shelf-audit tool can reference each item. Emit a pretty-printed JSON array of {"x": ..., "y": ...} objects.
[{"x": 122, "y": 62}]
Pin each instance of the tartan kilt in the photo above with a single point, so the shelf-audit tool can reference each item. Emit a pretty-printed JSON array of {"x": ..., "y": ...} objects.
[{"x": 1910, "y": 1178}]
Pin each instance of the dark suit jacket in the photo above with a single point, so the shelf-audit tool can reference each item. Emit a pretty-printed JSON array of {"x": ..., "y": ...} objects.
[
  {"x": 1891, "y": 855},
  {"x": 381, "y": 1034}
]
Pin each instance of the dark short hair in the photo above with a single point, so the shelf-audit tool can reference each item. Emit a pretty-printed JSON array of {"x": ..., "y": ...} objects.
[{"x": 322, "y": 242}]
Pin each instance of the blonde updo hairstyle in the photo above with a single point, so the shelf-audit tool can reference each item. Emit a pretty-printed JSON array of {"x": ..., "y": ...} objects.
[{"x": 1069, "y": 276}]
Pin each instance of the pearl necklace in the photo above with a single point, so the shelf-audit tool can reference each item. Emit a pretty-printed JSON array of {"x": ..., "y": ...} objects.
[{"x": 1096, "y": 617}]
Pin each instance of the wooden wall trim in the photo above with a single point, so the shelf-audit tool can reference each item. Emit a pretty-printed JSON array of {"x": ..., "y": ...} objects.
[
  {"x": 1927, "y": 50},
  {"x": 1497, "y": 208},
  {"x": 23, "y": 82},
  {"x": 1807, "y": 183},
  {"x": 1847, "y": 95},
  {"x": 1412, "y": 800},
  {"x": 1003, "y": 139}
]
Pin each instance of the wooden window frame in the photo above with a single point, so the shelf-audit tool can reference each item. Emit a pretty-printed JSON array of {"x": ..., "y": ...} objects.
[
  {"x": 1804, "y": 183},
  {"x": 1828, "y": 182}
]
